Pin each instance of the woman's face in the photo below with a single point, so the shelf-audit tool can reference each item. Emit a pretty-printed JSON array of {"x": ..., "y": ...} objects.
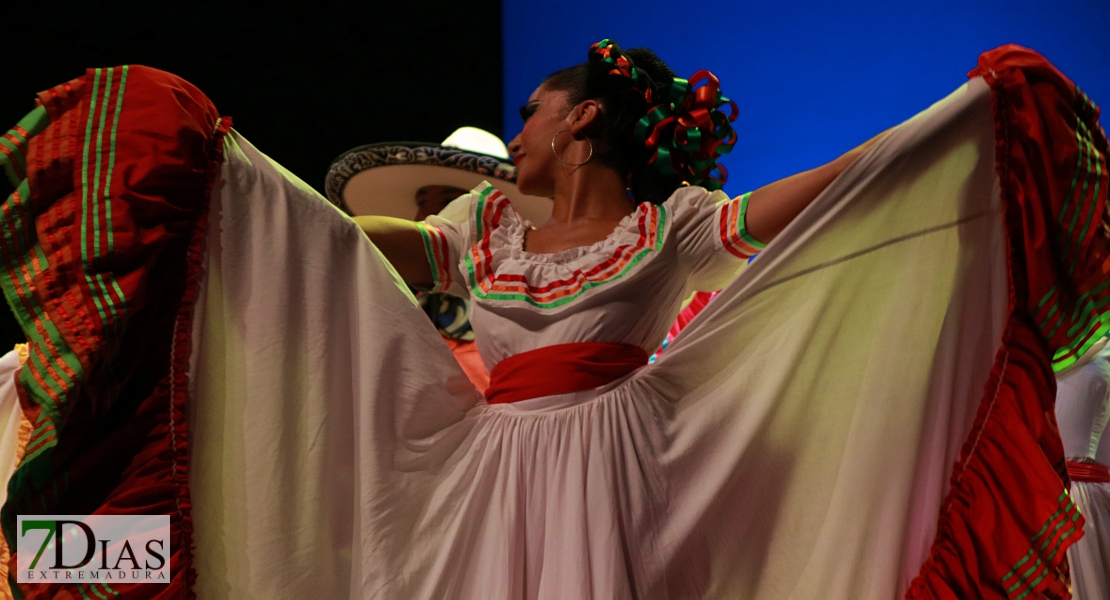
[{"x": 545, "y": 115}]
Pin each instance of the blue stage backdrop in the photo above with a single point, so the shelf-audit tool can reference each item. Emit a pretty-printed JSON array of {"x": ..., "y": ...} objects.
[{"x": 812, "y": 79}]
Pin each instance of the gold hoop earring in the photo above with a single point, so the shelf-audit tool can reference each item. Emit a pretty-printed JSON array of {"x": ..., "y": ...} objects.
[{"x": 561, "y": 158}]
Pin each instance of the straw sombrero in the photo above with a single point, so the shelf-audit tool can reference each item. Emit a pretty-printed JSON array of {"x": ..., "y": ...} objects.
[{"x": 382, "y": 179}]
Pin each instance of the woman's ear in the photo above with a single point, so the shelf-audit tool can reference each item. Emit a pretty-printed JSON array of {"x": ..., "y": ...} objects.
[{"x": 584, "y": 120}]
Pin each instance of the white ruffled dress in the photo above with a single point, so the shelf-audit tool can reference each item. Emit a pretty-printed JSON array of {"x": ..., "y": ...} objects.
[{"x": 785, "y": 446}]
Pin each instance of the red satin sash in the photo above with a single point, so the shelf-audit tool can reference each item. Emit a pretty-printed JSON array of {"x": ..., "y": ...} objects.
[
  {"x": 561, "y": 369},
  {"x": 1088, "y": 472}
]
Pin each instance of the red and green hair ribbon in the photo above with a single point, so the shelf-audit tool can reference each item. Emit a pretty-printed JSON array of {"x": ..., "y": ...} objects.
[
  {"x": 685, "y": 128},
  {"x": 688, "y": 132}
]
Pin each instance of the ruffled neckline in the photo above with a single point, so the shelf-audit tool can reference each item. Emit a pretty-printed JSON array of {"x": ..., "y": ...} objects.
[
  {"x": 500, "y": 269},
  {"x": 509, "y": 238}
]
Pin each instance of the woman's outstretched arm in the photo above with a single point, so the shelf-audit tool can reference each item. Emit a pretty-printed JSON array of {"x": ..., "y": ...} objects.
[
  {"x": 403, "y": 246},
  {"x": 772, "y": 207}
]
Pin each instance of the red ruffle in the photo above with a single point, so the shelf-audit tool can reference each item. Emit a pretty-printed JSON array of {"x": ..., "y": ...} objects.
[
  {"x": 116, "y": 441},
  {"x": 1008, "y": 519}
]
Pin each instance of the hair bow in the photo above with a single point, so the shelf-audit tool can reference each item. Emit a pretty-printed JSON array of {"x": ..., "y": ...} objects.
[
  {"x": 688, "y": 132},
  {"x": 610, "y": 54}
]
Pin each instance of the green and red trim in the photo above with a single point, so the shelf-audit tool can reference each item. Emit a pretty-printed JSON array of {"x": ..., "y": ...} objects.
[
  {"x": 13, "y": 144},
  {"x": 1029, "y": 572},
  {"x": 734, "y": 233},
  {"x": 1072, "y": 318},
  {"x": 489, "y": 285},
  {"x": 439, "y": 257},
  {"x": 97, "y": 239}
]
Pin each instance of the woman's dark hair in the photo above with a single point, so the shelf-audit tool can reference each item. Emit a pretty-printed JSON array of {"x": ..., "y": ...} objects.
[{"x": 622, "y": 106}]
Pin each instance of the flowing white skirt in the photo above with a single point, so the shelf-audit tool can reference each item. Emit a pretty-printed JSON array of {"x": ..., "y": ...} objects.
[{"x": 795, "y": 441}]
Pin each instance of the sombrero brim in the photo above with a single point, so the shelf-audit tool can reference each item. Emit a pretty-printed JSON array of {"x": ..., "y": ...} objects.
[{"x": 382, "y": 179}]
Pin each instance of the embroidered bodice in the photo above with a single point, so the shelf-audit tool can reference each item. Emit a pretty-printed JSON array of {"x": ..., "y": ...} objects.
[{"x": 626, "y": 288}]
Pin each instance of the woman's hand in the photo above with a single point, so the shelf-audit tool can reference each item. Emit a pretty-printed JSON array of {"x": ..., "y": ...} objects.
[
  {"x": 772, "y": 207},
  {"x": 403, "y": 246}
]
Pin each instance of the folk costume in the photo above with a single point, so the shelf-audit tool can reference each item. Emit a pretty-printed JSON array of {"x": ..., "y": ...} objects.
[{"x": 785, "y": 445}]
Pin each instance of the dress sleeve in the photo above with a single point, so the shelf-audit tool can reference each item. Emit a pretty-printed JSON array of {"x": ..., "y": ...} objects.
[
  {"x": 713, "y": 242},
  {"x": 447, "y": 236}
]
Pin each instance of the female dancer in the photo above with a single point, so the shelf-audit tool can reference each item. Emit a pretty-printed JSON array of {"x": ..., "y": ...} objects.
[
  {"x": 565, "y": 310},
  {"x": 309, "y": 434},
  {"x": 580, "y": 146}
]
